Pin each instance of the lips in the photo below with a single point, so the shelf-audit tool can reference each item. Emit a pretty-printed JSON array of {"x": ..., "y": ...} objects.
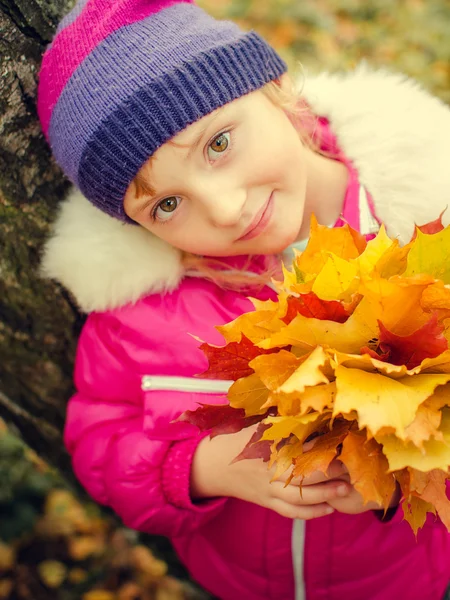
[{"x": 260, "y": 221}]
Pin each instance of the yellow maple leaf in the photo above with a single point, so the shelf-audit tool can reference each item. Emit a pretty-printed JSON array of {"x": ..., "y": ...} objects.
[
  {"x": 284, "y": 427},
  {"x": 393, "y": 261},
  {"x": 415, "y": 511},
  {"x": 365, "y": 362},
  {"x": 289, "y": 278},
  {"x": 425, "y": 425},
  {"x": 283, "y": 458},
  {"x": 436, "y": 298},
  {"x": 344, "y": 242},
  {"x": 372, "y": 394},
  {"x": 429, "y": 254},
  {"x": 250, "y": 394},
  {"x": 256, "y": 326},
  {"x": 307, "y": 333},
  {"x": 374, "y": 252},
  {"x": 275, "y": 369},
  {"x": 308, "y": 373},
  {"x": 440, "y": 397},
  {"x": 264, "y": 305},
  {"x": 318, "y": 397},
  {"x": 435, "y": 454},
  {"x": 395, "y": 304},
  {"x": 439, "y": 364},
  {"x": 337, "y": 280}
]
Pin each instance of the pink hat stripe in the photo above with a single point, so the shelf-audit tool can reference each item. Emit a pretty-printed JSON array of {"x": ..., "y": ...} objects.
[
  {"x": 109, "y": 16},
  {"x": 72, "y": 16}
]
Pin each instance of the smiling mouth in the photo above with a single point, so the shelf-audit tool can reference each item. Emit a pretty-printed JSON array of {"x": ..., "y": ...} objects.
[{"x": 260, "y": 221}]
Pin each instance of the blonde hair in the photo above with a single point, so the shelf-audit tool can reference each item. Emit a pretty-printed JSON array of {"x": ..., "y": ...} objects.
[{"x": 285, "y": 97}]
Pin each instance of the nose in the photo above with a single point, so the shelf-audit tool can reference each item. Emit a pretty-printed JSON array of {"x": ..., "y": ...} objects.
[{"x": 222, "y": 203}]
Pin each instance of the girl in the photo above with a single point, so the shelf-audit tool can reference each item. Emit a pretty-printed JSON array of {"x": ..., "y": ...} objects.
[{"x": 198, "y": 167}]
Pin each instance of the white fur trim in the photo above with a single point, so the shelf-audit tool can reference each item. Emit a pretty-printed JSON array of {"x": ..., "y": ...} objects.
[
  {"x": 103, "y": 262},
  {"x": 396, "y": 134},
  {"x": 398, "y": 137}
]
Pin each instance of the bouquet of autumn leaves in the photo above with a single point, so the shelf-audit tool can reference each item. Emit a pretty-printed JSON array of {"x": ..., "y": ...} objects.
[{"x": 355, "y": 355}]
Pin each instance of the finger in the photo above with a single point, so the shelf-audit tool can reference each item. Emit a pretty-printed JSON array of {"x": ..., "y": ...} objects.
[
  {"x": 315, "y": 477},
  {"x": 301, "y": 512},
  {"x": 336, "y": 470},
  {"x": 309, "y": 445},
  {"x": 353, "y": 504},
  {"x": 313, "y": 494}
]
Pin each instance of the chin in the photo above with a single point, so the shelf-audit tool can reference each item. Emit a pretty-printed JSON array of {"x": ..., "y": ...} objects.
[{"x": 277, "y": 244}]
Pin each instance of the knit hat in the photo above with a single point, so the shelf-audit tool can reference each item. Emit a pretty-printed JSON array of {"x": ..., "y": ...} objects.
[{"x": 122, "y": 77}]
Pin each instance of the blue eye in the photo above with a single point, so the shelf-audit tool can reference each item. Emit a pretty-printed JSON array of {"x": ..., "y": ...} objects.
[
  {"x": 219, "y": 144},
  {"x": 164, "y": 209}
]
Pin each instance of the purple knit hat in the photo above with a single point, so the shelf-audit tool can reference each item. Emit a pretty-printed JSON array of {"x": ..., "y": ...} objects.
[{"x": 122, "y": 77}]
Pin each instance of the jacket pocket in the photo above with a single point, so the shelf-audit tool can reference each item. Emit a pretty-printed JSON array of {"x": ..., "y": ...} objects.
[{"x": 166, "y": 397}]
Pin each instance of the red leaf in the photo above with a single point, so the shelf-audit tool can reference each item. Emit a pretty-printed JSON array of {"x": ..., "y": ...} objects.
[
  {"x": 383, "y": 356},
  {"x": 231, "y": 361},
  {"x": 310, "y": 305},
  {"x": 431, "y": 227},
  {"x": 426, "y": 342},
  {"x": 219, "y": 418},
  {"x": 256, "y": 448}
]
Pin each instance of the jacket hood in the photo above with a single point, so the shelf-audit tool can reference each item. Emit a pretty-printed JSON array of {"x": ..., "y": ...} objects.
[
  {"x": 395, "y": 133},
  {"x": 103, "y": 262}
]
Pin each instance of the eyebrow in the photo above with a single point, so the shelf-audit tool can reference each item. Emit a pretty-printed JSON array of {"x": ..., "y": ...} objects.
[
  {"x": 192, "y": 147},
  {"x": 195, "y": 144}
]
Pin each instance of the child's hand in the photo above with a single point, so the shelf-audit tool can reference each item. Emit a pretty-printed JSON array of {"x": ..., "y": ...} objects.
[
  {"x": 250, "y": 480},
  {"x": 353, "y": 503}
]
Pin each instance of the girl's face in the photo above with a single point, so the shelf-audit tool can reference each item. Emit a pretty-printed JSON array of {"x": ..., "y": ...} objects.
[{"x": 232, "y": 183}]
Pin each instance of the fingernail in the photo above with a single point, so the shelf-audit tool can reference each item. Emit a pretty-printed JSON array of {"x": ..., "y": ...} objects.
[
  {"x": 329, "y": 510},
  {"x": 342, "y": 490}
]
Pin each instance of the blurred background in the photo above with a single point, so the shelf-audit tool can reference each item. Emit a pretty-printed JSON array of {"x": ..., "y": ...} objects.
[
  {"x": 412, "y": 36},
  {"x": 54, "y": 543}
]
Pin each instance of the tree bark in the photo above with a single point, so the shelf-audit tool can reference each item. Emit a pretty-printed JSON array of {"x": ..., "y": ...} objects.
[{"x": 38, "y": 321}]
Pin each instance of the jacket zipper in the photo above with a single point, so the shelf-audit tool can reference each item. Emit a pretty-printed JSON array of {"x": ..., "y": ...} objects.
[{"x": 185, "y": 384}]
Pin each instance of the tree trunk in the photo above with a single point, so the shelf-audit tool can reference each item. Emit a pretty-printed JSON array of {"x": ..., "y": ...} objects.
[{"x": 38, "y": 321}]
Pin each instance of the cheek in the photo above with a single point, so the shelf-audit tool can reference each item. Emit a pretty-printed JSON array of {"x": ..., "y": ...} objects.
[
  {"x": 286, "y": 161},
  {"x": 273, "y": 165},
  {"x": 189, "y": 236}
]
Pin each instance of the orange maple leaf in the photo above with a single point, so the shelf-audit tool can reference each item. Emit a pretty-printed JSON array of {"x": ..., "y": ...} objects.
[
  {"x": 324, "y": 450},
  {"x": 368, "y": 468},
  {"x": 431, "y": 487}
]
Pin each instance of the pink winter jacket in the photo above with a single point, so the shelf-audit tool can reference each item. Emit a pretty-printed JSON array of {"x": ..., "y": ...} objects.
[
  {"x": 136, "y": 363},
  {"x": 128, "y": 457}
]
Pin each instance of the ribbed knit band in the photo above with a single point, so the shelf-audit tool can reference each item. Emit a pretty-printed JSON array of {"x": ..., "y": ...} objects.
[{"x": 109, "y": 96}]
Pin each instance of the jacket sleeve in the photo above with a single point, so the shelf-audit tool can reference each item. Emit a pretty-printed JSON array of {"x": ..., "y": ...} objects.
[{"x": 128, "y": 457}]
